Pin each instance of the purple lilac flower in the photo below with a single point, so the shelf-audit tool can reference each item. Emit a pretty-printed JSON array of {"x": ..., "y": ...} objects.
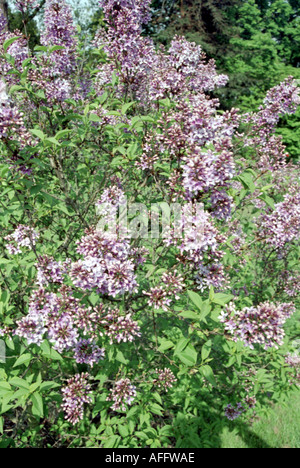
[
  {"x": 292, "y": 287},
  {"x": 49, "y": 271},
  {"x": 60, "y": 31},
  {"x": 200, "y": 246},
  {"x": 205, "y": 170},
  {"x": 293, "y": 360},
  {"x": 62, "y": 333},
  {"x": 24, "y": 5},
  {"x": 250, "y": 401},
  {"x": 122, "y": 394},
  {"x": 120, "y": 328},
  {"x": 76, "y": 393},
  {"x": 12, "y": 127},
  {"x": 165, "y": 379},
  {"x": 158, "y": 298},
  {"x": 233, "y": 413},
  {"x": 32, "y": 329},
  {"x": 280, "y": 100},
  {"x": 3, "y": 24},
  {"x": 283, "y": 224},
  {"x": 107, "y": 266},
  {"x": 87, "y": 352},
  {"x": 23, "y": 236},
  {"x": 262, "y": 325}
]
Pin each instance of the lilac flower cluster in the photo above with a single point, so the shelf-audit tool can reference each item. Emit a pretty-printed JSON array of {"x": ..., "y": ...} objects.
[
  {"x": 31, "y": 328},
  {"x": 232, "y": 412},
  {"x": 112, "y": 199},
  {"x": 107, "y": 266},
  {"x": 3, "y": 25},
  {"x": 52, "y": 72},
  {"x": 120, "y": 328},
  {"x": 122, "y": 394},
  {"x": 24, "y": 5},
  {"x": 87, "y": 352},
  {"x": 165, "y": 379},
  {"x": 50, "y": 271},
  {"x": 280, "y": 100},
  {"x": 292, "y": 287},
  {"x": 205, "y": 170},
  {"x": 145, "y": 72},
  {"x": 60, "y": 31},
  {"x": 262, "y": 325},
  {"x": 76, "y": 393},
  {"x": 128, "y": 52},
  {"x": 18, "y": 50},
  {"x": 23, "y": 236},
  {"x": 293, "y": 360},
  {"x": 283, "y": 224},
  {"x": 201, "y": 140},
  {"x": 201, "y": 246},
  {"x": 54, "y": 314},
  {"x": 193, "y": 124},
  {"x": 12, "y": 127},
  {"x": 162, "y": 296},
  {"x": 4, "y": 98},
  {"x": 250, "y": 401},
  {"x": 61, "y": 318}
]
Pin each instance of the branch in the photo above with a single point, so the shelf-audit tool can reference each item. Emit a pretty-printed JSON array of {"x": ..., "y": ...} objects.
[{"x": 37, "y": 10}]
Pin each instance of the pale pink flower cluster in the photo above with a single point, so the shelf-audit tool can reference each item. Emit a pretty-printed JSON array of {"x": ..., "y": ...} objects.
[
  {"x": 282, "y": 226},
  {"x": 258, "y": 325},
  {"x": 161, "y": 297},
  {"x": 122, "y": 395},
  {"x": 76, "y": 393},
  {"x": 22, "y": 237},
  {"x": 165, "y": 379}
]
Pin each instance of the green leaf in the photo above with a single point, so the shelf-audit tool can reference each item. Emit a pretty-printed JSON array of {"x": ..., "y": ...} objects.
[
  {"x": 186, "y": 352},
  {"x": 53, "y": 141},
  {"x": 206, "y": 350},
  {"x": 55, "y": 48},
  {"x": 22, "y": 360},
  {"x": 9, "y": 42},
  {"x": 121, "y": 358},
  {"x": 41, "y": 48},
  {"x": 21, "y": 383},
  {"x": 127, "y": 106},
  {"x": 164, "y": 345},
  {"x": 268, "y": 200},
  {"x": 188, "y": 314},
  {"x": 38, "y": 133},
  {"x": 222, "y": 299},
  {"x": 123, "y": 430},
  {"x": 181, "y": 345},
  {"x": 5, "y": 386},
  {"x": 196, "y": 299},
  {"x": 247, "y": 181},
  {"x": 48, "y": 385},
  {"x": 62, "y": 134},
  {"x": 208, "y": 374},
  {"x": 95, "y": 118},
  {"x": 155, "y": 408},
  {"x": 205, "y": 310},
  {"x": 37, "y": 405}
]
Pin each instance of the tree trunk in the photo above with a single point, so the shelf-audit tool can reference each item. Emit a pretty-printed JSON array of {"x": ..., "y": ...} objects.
[{"x": 4, "y": 8}]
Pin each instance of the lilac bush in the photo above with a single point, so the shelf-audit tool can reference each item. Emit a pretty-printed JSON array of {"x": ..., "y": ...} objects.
[{"x": 118, "y": 332}]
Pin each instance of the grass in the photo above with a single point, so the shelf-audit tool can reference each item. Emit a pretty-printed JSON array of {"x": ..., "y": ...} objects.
[{"x": 279, "y": 429}]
